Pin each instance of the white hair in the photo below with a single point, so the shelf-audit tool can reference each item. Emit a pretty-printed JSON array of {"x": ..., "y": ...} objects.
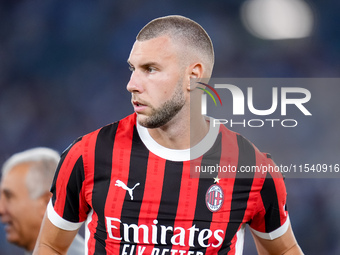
[{"x": 43, "y": 163}]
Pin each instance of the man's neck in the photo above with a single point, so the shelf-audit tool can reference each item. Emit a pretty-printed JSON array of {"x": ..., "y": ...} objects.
[{"x": 181, "y": 135}]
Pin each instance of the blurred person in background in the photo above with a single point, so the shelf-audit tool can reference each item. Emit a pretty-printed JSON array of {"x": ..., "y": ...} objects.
[{"x": 24, "y": 195}]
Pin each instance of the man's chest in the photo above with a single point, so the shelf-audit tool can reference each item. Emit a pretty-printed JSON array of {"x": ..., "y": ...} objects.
[{"x": 156, "y": 204}]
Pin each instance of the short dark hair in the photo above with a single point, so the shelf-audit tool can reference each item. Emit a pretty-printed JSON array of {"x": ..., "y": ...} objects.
[{"x": 183, "y": 30}]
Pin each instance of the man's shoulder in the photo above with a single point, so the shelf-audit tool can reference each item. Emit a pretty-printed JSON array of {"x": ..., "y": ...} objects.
[
  {"x": 126, "y": 124},
  {"x": 251, "y": 161},
  {"x": 242, "y": 141}
]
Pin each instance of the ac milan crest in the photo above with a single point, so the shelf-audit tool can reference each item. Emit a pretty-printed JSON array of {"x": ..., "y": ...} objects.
[{"x": 214, "y": 198}]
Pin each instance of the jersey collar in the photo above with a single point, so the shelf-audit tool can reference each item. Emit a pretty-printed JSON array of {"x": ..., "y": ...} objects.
[{"x": 180, "y": 155}]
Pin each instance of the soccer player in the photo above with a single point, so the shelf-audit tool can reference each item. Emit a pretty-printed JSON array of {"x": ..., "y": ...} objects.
[
  {"x": 131, "y": 180},
  {"x": 24, "y": 194}
]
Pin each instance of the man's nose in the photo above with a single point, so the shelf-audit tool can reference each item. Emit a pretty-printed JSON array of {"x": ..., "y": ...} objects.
[{"x": 135, "y": 83}]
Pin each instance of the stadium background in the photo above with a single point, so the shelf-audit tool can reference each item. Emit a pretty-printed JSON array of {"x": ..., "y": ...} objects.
[{"x": 63, "y": 73}]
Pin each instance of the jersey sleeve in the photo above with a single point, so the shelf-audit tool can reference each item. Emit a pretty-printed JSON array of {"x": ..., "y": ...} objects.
[
  {"x": 67, "y": 208},
  {"x": 271, "y": 219}
]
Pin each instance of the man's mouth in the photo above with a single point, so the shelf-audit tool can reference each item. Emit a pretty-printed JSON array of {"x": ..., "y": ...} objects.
[
  {"x": 138, "y": 106},
  {"x": 136, "y": 103}
]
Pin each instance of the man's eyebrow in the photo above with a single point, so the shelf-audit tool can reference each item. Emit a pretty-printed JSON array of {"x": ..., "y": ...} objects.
[{"x": 147, "y": 64}]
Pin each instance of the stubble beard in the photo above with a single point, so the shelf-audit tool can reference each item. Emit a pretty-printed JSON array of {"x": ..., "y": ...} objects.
[{"x": 162, "y": 115}]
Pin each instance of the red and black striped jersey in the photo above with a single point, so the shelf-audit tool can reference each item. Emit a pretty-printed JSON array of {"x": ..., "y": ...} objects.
[{"x": 138, "y": 197}]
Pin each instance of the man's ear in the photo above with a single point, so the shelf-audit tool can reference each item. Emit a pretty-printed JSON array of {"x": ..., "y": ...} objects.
[
  {"x": 196, "y": 70},
  {"x": 195, "y": 74}
]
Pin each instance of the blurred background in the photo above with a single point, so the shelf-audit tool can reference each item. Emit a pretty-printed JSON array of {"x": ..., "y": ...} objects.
[{"x": 63, "y": 73}]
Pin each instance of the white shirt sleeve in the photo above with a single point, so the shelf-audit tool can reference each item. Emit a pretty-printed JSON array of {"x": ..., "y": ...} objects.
[
  {"x": 274, "y": 234},
  {"x": 59, "y": 221}
]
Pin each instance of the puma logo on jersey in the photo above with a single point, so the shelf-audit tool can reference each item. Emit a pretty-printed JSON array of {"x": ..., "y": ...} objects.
[{"x": 122, "y": 185}]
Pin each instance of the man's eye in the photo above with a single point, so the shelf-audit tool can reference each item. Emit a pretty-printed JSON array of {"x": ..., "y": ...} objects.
[
  {"x": 131, "y": 68},
  {"x": 7, "y": 195},
  {"x": 151, "y": 69}
]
